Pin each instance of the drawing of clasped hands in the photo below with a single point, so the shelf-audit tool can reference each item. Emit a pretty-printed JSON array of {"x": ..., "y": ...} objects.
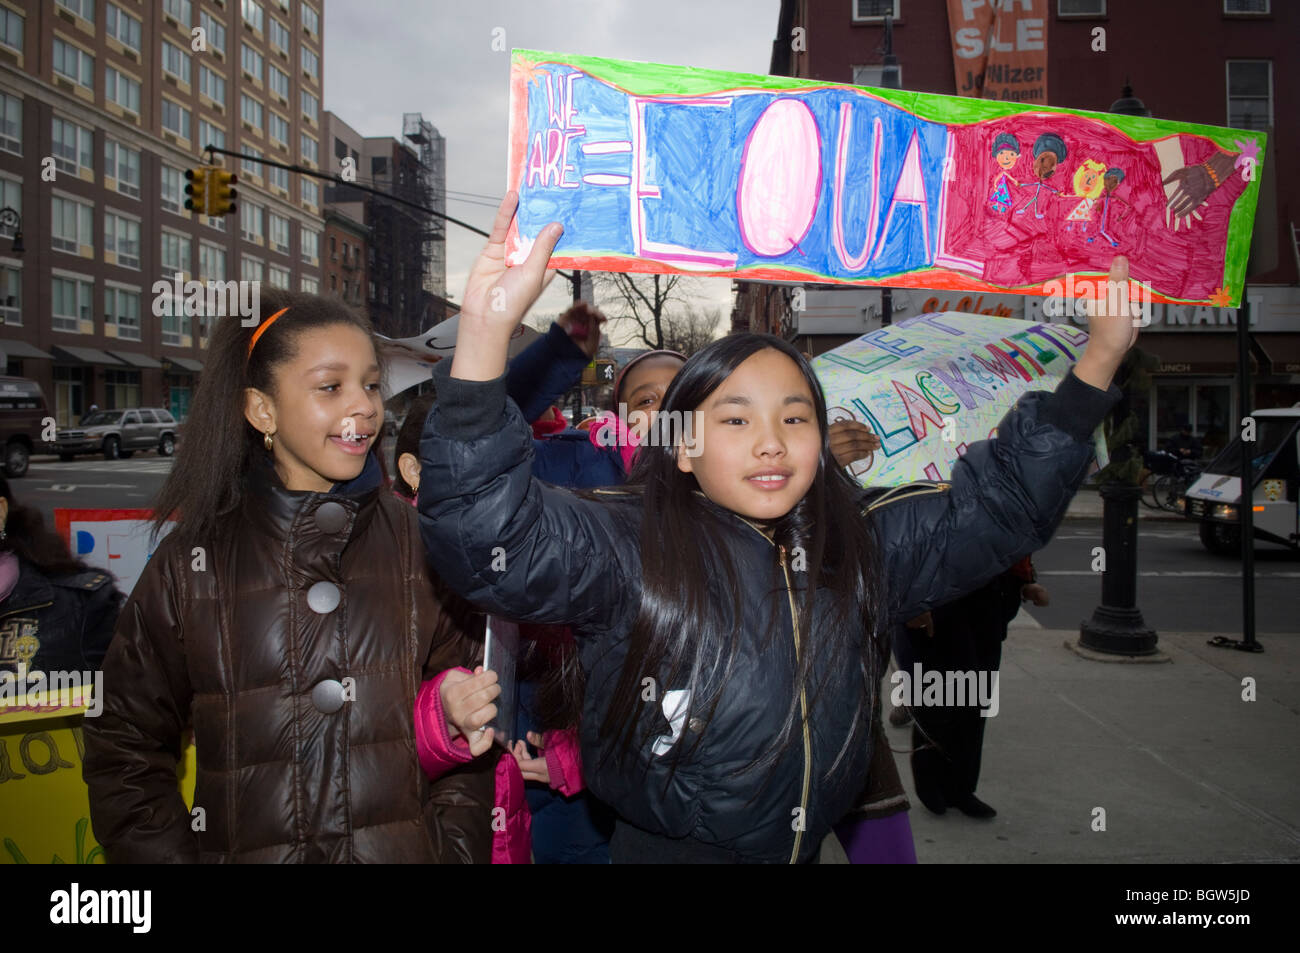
[{"x": 1188, "y": 187}]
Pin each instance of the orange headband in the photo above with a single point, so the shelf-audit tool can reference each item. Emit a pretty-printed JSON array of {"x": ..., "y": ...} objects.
[{"x": 261, "y": 329}]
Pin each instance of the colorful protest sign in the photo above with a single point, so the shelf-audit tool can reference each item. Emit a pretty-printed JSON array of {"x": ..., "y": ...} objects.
[
  {"x": 934, "y": 384},
  {"x": 666, "y": 169},
  {"x": 114, "y": 540},
  {"x": 44, "y": 808}
]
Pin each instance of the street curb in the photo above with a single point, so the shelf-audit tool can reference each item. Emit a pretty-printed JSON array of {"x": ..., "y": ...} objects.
[{"x": 1154, "y": 659}]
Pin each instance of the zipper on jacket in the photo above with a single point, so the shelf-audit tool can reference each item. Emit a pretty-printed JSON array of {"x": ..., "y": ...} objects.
[
  {"x": 39, "y": 605},
  {"x": 906, "y": 492},
  {"x": 803, "y": 712}
]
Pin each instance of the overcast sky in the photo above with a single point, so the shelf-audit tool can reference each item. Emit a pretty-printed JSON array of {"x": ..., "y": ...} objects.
[{"x": 387, "y": 57}]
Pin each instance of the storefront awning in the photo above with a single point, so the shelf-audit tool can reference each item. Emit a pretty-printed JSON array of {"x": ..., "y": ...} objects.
[
  {"x": 135, "y": 359},
  {"x": 1283, "y": 351},
  {"x": 85, "y": 355},
  {"x": 1187, "y": 353},
  {"x": 23, "y": 349},
  {"x": 184, "y": 364}
]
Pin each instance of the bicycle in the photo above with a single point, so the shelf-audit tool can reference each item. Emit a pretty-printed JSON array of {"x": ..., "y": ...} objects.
[{"x": 1173, "y": 475}]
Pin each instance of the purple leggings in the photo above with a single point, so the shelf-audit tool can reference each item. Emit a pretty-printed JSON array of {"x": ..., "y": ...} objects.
[{"x": 885, "y": 840}]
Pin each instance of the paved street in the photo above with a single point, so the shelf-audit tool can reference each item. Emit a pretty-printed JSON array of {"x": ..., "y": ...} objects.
[{"x": 91, "y": 482}]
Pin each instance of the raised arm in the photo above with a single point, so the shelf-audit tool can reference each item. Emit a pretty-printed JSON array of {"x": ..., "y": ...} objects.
[
  {"x": 1007, "y": 495},
  {"x": 505, "y": 541},
  {"x": 551, "y": 365}
]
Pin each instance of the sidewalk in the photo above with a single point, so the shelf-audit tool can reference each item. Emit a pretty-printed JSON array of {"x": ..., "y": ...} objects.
[
  {"x": 1186, "y": 770},
  {"x": 1087, "y": 505}
]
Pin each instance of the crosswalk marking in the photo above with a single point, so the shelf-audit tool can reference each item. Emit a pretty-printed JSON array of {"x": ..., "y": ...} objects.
[{"x": 105, "y": 466}]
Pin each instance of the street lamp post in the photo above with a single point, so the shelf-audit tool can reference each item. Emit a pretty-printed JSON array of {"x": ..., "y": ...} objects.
[
  {"x": 10, "y": 218},
  {"x": 1117, "y": 626}
]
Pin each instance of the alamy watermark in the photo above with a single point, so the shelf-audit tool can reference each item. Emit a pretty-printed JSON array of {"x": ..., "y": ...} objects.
[
  {"x": 213, "y": 299},
  {"x": 1078, "y": 297},
  {"x": 29, "y": 690},
  {"x": 936, "y": 689},
  {"x": 661, "y": 428}
]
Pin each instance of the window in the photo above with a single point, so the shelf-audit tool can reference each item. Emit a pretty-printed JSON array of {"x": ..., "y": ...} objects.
[
  {"x": 310, "y": 149},
  {"x": 73, "y": 63},
  {"x": 251, "y": 60},
  {"x": 310, "y": 285},
  {"x": 11, "y": 296},
  {"x": 310, "y": 245},
  {"x": 279, "y": 35},
  {"x": 82, "y": 8},
  {"x": 123, "y": 164},
  {"x": 11, "y": 29},
  {"x": 278, "y": 277},
  {"x": 277, "y": 177},
  {"x": 176, "y": 62},
  {"x": 175, "y": 254},
  {"x": 310, "y": 193},
  {"x": 310, "y": 105},
  {"x": 176, "y": 118},
  {"x": 253, "y": 14},
  {"x": 871, "y": 75},
  {"x": 122, "y": 310},
  {"x": 210, "y": 135},
  {"x": 122, "y": 238},
  {"x": 250, "y": 110},
  {"x": 250, "y": 221},
  {"x": 172, "y": 322},
  {"x": 277, "y": 127},
  {"x": 1081, "y": 8},
  {"x": 219, "y": 223},
  {"x": 179, "y": 9},
  {"x": 278, "y": 226},
  {"x": 215, "y": 30},
  {"x": 212, "y": 85},
  {"x": 122, "y": 27},
  {"x": 278, "y": 80},
  {"x": 310, "y": 19},
  {"x": 121, "y": 89},
  {"x": 173, "y": 190},
  {"x": 1250, "y": 94},
  {"x": 250, "y": 268},
  {"x": 212, "y": 262},
  {"x": 72, "y": 147},
  {"x": 874, "y": 9},
  {"x": 11, "y": 122},
  {"x": 71, "y": 303},
  {"x": 71, "y": 225},
  {"x": 11, "y": 196},
  {"x": 310, "y": 64}
]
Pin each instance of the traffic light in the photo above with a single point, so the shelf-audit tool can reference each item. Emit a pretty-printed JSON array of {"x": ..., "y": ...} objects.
[
  {"x": 598, "y": 372},
  {"x": 222, "y": 194},
  {"x": 196, "y": 189}
]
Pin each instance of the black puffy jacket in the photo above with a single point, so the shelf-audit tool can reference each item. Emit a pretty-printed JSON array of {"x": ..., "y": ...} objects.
[{"x": 534, "y": 552}]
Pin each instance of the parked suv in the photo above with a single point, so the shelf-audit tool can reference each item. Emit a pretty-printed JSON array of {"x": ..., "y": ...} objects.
[
  {"x": 119, "y": 433},
  {"x": 22, "y": 412}
]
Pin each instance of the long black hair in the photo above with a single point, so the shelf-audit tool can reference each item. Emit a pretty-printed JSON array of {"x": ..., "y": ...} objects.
[
  {"x": 27, "y": 537},
  {"x": 219, "y": 445},
  {"x": 685, "y": 632}
]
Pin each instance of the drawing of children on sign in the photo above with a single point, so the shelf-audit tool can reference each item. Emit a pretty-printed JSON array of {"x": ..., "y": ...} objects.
[
  {"x": 1006, "y": 153},
  {"x": 1049, "y": 152},
  {"x": 1087, "y": 189},
  {"x": 1112, "y": 180}
]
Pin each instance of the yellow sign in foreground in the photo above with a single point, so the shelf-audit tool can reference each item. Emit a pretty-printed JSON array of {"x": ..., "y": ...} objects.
[{"x": 44, "y": 808}]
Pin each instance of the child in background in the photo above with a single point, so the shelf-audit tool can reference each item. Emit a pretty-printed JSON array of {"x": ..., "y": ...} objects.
[
  {"x": 289, "y": 618},
  {"x": 730, "y": 603}
]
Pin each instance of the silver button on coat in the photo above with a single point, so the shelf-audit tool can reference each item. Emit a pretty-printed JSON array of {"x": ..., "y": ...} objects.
[
  {"x": 331, "y": 517},
  {"x": 327, "y": 696},
  {"x": 323, "y": 597}
]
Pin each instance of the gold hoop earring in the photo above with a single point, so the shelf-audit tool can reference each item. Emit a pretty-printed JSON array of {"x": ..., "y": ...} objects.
[{"x": 267, "y": 441}]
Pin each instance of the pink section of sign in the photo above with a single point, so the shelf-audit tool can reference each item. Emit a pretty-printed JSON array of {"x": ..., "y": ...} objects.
[{"x": 780, "y": 178}]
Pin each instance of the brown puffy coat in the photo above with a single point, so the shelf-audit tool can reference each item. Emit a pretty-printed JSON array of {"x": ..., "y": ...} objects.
[{"x": 308, "y": 588}]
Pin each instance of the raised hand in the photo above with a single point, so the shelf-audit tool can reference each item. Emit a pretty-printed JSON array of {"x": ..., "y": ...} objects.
[
  {"x": 582, "y": 322},
  {"x": 851, "y": 441},
  {"x": 498, "y": 295},
  {"x": 1112, "y": 328}
]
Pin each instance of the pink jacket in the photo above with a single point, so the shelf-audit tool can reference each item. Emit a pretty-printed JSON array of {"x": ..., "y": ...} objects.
[
  {"x": 439, "y": 753},
  {"x": 608, "y": 431}
]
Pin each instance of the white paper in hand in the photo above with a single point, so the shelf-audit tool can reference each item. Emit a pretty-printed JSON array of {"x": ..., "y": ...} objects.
[
  {"x": 500, "y": 653},
  {"x": 410, "y": 360}
]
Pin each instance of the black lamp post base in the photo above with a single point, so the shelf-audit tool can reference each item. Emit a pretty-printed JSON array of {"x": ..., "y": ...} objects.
[{"x": 1117, "y": 631}]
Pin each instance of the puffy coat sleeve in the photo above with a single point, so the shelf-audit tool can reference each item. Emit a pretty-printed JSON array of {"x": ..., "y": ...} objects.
[
  {"x": 543, "y": 371},
  {"x": 506, "y": 541},
  {"x": 134, "y": 745},
  {"x": 1006, "y": 498}
]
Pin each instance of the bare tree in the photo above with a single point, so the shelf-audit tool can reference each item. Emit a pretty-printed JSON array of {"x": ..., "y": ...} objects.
[
  {"x": 641, "y": 306},
  {"x": 690, "y": 329}
]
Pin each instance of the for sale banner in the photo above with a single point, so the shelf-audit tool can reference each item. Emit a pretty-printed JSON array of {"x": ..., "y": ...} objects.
[{"x": 999, "y": 49}]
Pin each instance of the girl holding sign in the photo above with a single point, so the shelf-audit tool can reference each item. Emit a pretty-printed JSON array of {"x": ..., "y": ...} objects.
[{"x": 731, "y": 605}]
